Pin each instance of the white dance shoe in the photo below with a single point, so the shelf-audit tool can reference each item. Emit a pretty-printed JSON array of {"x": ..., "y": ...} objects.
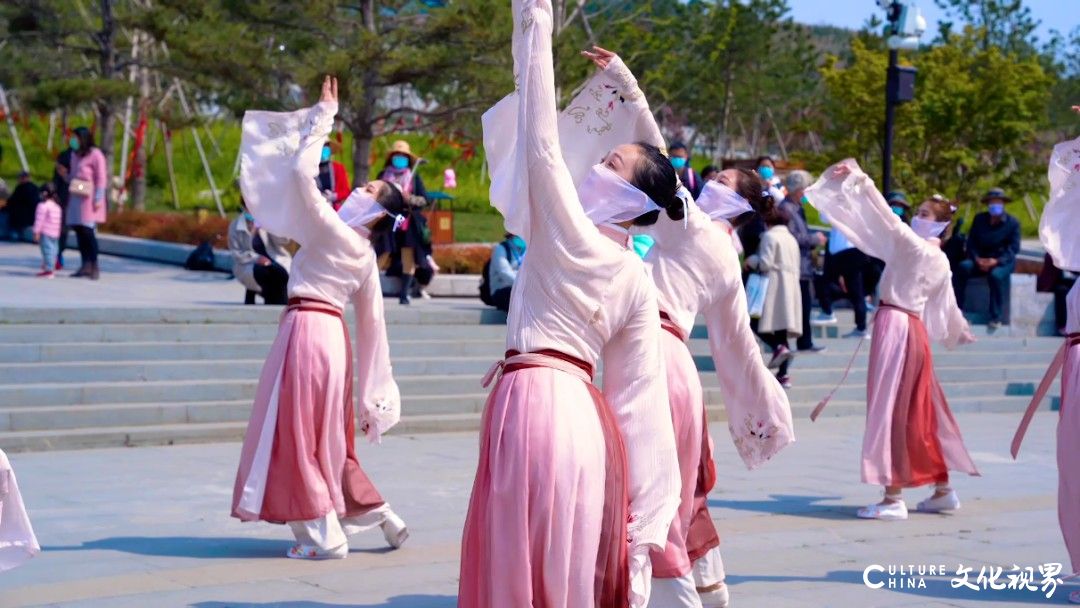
[
  {"x": 890, "y": 511},
  {"x": 716, "y": 598},
  {"x": 941, "y": 504},
  {"x": 394, "y": 530},
  {"x": 315, "y": 553}
]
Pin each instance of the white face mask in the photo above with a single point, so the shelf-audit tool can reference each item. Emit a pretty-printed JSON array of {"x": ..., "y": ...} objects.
[
  {"x": 928, "y": 229},
  {"x": 360, "y": 209},
  {"x": 608, "y": 198},
  {"x": 721, "y": 202}
]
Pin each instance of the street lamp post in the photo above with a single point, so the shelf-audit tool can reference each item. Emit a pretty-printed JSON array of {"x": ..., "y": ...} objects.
[{"x": 905, "y": 25}]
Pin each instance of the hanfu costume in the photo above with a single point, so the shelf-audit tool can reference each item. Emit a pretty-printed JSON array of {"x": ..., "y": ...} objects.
[
  {"x": 1058, "y": 231},
  {"x": 696, "y": 271},
  {"x": 911, "y": 436},
  {"x": 574, "y": 487},
  {"x": 299, "y": 463},
  {"x": 17, "y": 540}
]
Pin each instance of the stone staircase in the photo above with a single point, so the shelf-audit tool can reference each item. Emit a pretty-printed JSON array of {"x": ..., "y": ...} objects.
[{"x": 134, "y": 376}]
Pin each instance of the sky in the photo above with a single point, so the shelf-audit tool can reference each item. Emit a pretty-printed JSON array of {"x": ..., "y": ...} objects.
[{"x": 1063, "y": 15}]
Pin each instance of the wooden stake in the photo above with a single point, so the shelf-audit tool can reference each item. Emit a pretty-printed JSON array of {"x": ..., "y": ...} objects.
[{"x": 11, "y": 127}]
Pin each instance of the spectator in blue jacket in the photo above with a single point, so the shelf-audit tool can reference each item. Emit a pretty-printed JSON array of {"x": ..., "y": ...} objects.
[{"x": 992, "y": 245}]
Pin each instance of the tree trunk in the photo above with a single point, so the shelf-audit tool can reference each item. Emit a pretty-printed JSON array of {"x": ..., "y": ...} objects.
[{"x": 361, "y": 154}]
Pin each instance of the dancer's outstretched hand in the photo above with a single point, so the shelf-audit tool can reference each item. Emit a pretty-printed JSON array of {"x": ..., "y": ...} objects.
[
  {"x": 329, "y": 89},
  {"x": 601, "y": 57},
  {"x": 841, "y": 171}
]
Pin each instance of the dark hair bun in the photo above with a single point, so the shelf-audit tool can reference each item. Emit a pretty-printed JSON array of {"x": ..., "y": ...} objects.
[{"x": 657, "y": 179}]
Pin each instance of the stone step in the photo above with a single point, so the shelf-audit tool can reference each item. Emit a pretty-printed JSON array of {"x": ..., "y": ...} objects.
[
  {"x": 60, "y": 352},
  {"x": 460, "y": 311},
  {"x": 951, "y": 367},
  {"x": 204, "y": 432},
  {"x": 214, "y": 332},
  {"x": 33, "y": 418},
  {"x": 83, "y": 372}
]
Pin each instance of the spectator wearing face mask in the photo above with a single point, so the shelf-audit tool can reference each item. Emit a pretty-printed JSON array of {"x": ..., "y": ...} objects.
[
  {"x": 333, "y": 179},
  {"x": 766, "y": 168},
  {"x": 993, "y": 242},
  {"x": 680, "y": 160}
]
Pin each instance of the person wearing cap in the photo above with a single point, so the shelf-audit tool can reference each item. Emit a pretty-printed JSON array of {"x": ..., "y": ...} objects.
[
  {"x": 898, "y": 203},
  {"x": 21, "y": 205},
  {"x": 680, "y": 160},
  {"x": 993, "y": 242},
  {"x": 410, "y": 244},
  {"x": 797, "y": 183}
]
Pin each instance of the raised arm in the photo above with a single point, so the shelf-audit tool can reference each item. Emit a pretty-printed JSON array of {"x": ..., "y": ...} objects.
[
  {"x": 610, "y": 110},
  {"x": 279, "y": 158},
  {"x": 759, "y": 415},
  {"x": 1061, "y": 217},
  {"x": 854, "y": 206},
  {"x": 530, "y": 184}
]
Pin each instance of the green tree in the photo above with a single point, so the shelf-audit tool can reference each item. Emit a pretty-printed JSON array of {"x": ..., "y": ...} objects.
[
  {"x": 62, "y": 55},
  {"x": 973, "y": 123},
  {"x": 403, "y": 65}
]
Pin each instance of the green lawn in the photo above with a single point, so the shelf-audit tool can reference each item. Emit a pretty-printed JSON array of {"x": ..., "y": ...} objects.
[{"x": 471, "y": 227}]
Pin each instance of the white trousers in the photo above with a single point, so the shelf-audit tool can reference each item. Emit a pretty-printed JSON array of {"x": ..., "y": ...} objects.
[
  {"x": 329, "y": 532},
  {"x": 682, "y": 592}
]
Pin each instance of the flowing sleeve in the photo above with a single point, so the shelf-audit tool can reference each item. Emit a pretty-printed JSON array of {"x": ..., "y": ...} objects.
[
  {"x": 634, "y": 371},
  {"x": 856, "y": 208},
  {"x": 944, "y": 320},
  {"x": 759, "y": 415},
  {"x": 380, "y": 400},
  {"x": 531, "y": 184},
  {"x": 279, "y": 159},
  {"x": 610, "y": 110},
  {"x": 1060, "y": 222}
]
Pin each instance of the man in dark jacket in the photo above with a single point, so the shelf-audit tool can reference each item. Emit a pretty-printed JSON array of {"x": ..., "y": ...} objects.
[
  {"x": 60, "y": 182},
  {"x": 797, "y": 183},
  {"x": 21, "y": 206},
  {"x": 992, "y": 243}
]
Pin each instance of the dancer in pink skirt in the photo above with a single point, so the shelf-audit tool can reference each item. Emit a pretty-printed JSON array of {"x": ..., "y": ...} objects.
[
  {"x": 911, "y": 436},
  {"x": 17, "y": 540},
  {"x": 696, "y": 270},
  {"x": 574, "y": 487},
  {"x": 1058, "y": 232},
  {"x": 299, "y": 464}
]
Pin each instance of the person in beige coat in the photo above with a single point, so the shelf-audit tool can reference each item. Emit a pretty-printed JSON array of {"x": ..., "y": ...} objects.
[
  {"x": 781, "y": 317},
  {"x": 261, "y": 261}
]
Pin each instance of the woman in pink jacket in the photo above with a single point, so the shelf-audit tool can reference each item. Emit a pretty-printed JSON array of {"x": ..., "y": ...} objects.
[{"x": 87, "y": 182}]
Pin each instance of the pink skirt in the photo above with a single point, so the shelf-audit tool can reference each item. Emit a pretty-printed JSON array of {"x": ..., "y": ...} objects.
[
  {"x": 299, "y": 461},
  {"x": 911, "y": 436},
  {"x": 692, "y": 526},
  {"x": 547, "y": 517}
]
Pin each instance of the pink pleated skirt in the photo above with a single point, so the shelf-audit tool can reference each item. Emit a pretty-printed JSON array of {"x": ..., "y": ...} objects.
[
  {"x": 546, "y": 525},
  {"x": 911, "y": 436},
  {"x": 309, "y": 467},
  {"x": 692, "y": 527},
  {"x": 1068, "y": 451}
]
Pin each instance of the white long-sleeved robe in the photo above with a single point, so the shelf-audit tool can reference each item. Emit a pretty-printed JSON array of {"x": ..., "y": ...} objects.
[{"x": 578, "y": 291}]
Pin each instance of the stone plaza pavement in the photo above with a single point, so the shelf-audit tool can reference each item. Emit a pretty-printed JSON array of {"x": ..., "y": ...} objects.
[{"x": 149, "y": 527}]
